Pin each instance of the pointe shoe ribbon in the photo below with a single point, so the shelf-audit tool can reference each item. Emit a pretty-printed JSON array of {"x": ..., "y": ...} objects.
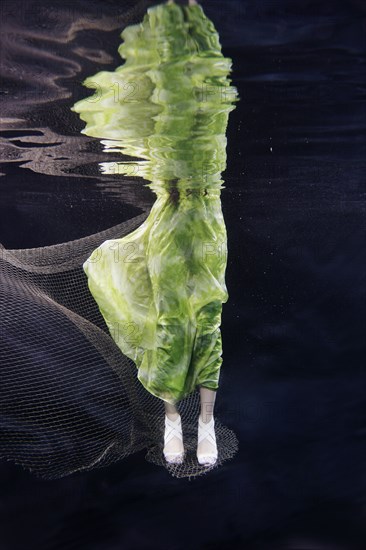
[
  {"x": 173, "y": 428},
  {"x": 207, "y": 431}
]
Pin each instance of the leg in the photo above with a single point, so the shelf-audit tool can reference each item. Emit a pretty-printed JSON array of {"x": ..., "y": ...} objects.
[
  {"x": 206, "y": 447},
  {"x": 207, "y": 403},
  {"x": 173, "y": 437},
  {"x": 171, "y": 410}
]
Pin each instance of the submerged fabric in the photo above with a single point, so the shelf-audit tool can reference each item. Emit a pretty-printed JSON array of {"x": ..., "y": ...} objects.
[{"x": 161, "y": 288}]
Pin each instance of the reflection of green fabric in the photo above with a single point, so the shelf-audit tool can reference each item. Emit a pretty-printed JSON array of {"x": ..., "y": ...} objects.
[{"x": 161, "y": 288}]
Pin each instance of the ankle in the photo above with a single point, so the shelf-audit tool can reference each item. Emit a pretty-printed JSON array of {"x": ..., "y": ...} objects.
[
  {"x": 172, "y": 416},
  {"x": 206, "y": 418}
]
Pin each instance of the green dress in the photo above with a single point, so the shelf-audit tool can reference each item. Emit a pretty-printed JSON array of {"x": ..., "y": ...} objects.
[{"x": 160, "y": 289}]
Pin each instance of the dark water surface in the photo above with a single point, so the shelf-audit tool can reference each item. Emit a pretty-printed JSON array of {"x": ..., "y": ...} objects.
[{"x": 293, "y": 376}]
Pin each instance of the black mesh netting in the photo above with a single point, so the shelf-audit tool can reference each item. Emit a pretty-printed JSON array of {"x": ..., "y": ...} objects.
[{"x": 69, "y": 399}]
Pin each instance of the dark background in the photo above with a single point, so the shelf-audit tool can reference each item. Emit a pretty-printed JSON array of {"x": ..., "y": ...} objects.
[{"x": 293, "y": 376}]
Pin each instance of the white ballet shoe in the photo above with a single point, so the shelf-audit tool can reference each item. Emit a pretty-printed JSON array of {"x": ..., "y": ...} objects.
[
  {"x": 173, "y": 428},
  {"x": 207, "y": 431}
]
